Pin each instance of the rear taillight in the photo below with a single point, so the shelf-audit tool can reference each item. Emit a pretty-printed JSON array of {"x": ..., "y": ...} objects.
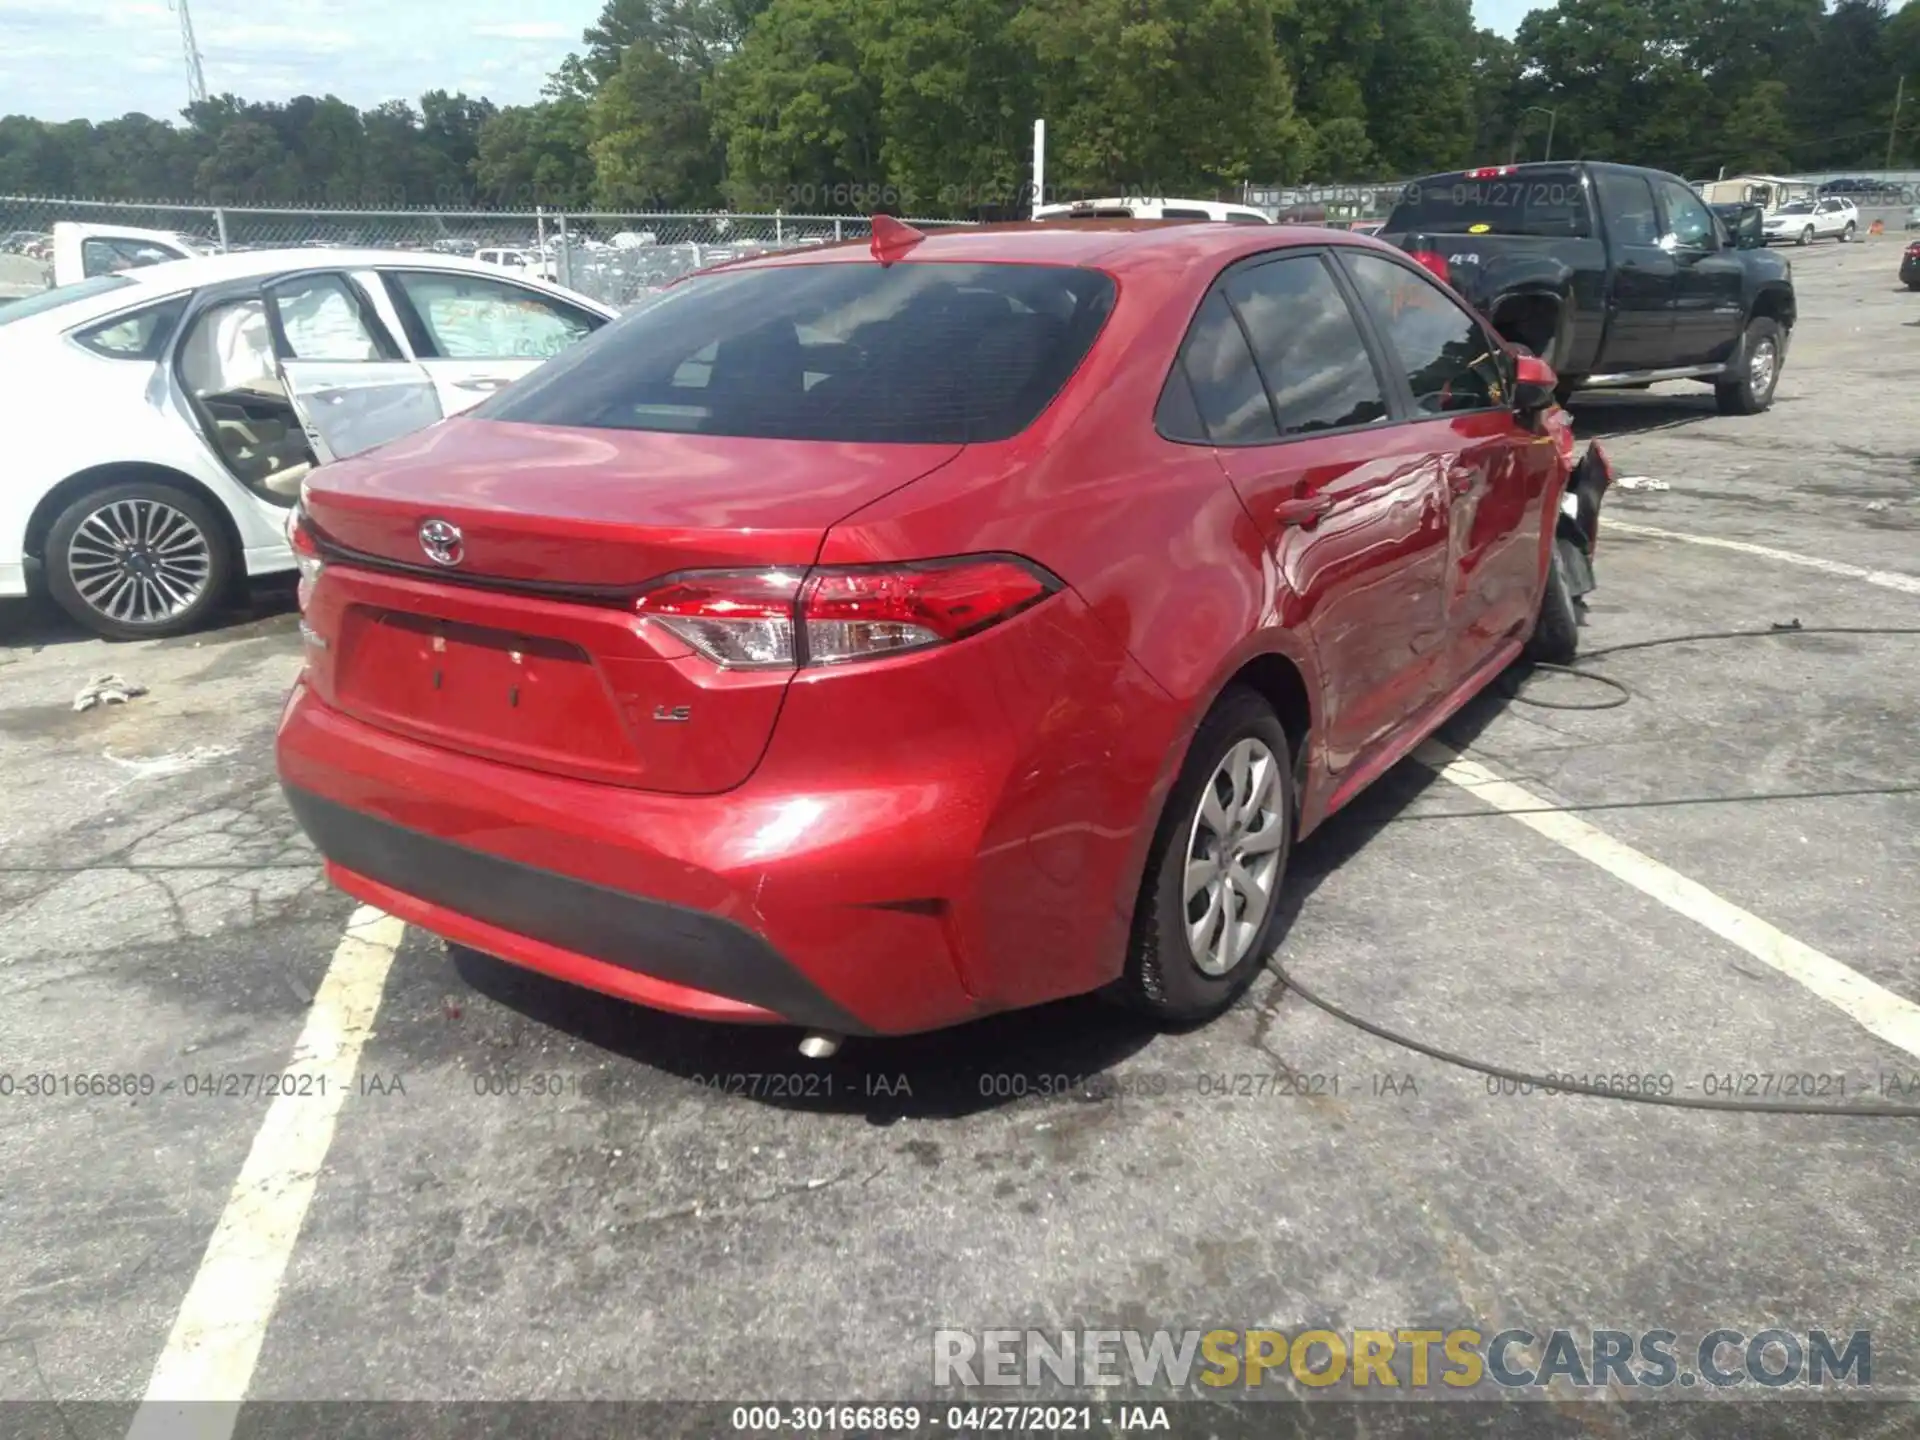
[
  {"x": 1434, "y": 263},
  {"x": 740, "y": 619},
  {"x": 306, "y": 554},
  {"x": 779, "y": 619},
  {"x": 1490, "y": 172}
]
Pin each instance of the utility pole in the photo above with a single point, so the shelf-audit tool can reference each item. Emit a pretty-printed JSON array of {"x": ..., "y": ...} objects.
[
  {"x": 1892, "y": 130},
  {"x": 1039, "y": 167},
  {"x": 1553, "y": 118},
  {"x": 196, "y": 75}
]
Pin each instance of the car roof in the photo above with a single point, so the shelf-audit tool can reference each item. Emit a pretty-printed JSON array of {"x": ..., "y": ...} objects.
[{"x": 1112, "y": 245}]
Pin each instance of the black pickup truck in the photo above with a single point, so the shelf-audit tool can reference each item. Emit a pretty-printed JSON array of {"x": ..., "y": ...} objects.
[{"x": 1616, "y": 276}]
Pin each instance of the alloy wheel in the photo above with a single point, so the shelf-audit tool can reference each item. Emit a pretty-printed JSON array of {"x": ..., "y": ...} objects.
[
  {"x": 1234, "y": 849},
  {"x": 1763, "y": 368},
  {"x": 139, "y": 561}
]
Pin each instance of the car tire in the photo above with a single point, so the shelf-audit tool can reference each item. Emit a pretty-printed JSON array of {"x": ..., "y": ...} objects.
[
  {"x": 1556, "y": 629},
  {"x": 1806, "y": 236},
  {"x": 138, "y": 561},
  {"x": 1184, "y": 967},
  {"x": 1846, "y": 235},
  {"x": 1753, "y": 391}
]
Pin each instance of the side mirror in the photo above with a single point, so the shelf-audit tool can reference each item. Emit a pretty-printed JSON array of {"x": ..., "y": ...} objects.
[{"x": 1534, "y": 384}]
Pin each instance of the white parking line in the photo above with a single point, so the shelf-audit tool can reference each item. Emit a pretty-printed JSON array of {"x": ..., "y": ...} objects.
[
  {"x": 217, "y": 1335},
  {"x": 1889, "y": 579},
  {"x": 1874, "y": 1007}
]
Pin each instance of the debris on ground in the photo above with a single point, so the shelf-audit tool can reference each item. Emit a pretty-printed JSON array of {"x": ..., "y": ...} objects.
[
  {"x": 1640, "y": 482},
  {"x": 107, "y": 690}
]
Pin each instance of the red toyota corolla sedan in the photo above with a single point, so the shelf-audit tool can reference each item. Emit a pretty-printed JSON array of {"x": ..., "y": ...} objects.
[{"x": 872, "y": 638}]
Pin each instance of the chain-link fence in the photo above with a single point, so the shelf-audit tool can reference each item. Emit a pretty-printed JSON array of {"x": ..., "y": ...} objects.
[{"x": 616, "y": 258}]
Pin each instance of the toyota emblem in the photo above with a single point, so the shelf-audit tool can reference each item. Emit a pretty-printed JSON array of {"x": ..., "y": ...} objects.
[{"x": 441, "y": 540}]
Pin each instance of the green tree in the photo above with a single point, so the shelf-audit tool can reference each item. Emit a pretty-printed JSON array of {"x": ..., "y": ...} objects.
[
  {"x": 957, "y": 102},
  {"x": 245, "y": 165},
  {"x": 1757, "y": 134},
  {"x": 1424, "y": 115},
  {"x": 798, "y": 109},
  {"x": 1170, "y": 96},
  {"x": 536, "y": 155},
  {"x": 652, "y": 140}
]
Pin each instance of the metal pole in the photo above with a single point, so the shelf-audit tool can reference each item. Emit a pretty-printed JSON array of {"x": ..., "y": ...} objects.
[
  {"x": 777, "y": 236},
  {"x": 220, "y": 224},
  {"x": 1553, "y": 118},
  {"x": 566, "y": 251},
  {"x": 1899, "y": 96},
  {"x": 540, "y": 231},
  {"x": 1039, "y": 166},
  {"x": 837, "y": 236}
]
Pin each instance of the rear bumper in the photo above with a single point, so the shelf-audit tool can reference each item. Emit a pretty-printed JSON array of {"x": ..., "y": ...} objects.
[
  {"x": 1910, "y": 269},
  {"x": 925, "y": 841},
  {"x": 645, "y": 950}
]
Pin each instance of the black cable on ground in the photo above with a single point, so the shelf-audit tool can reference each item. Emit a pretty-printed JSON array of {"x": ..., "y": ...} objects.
[
  {"x": 1573, "y": 1087},
  {"x": 1772, "y": 632}
]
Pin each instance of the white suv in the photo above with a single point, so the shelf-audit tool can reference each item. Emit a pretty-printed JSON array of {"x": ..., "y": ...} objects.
[{"x": 1805, "y": 221}]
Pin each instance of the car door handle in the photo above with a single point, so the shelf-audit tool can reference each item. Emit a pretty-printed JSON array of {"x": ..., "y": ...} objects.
[
  {"x": 1306, "y": 512},
  {"x": 487, "y": 383}
]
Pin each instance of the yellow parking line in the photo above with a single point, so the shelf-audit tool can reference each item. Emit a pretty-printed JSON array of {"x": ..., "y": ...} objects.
[{"x": 217, "y": 1335}]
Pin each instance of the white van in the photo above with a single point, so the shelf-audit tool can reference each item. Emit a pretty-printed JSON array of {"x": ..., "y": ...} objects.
[{"x": 1139, "y": 209}]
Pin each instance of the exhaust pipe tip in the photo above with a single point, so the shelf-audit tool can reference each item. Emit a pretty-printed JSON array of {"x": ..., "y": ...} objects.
[{"x": 820, "y": 1045}]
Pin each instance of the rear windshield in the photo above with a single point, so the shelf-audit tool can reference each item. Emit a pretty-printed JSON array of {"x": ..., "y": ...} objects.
[
  {"x": 63, "y": 295},
  {"x": 920, "y": 354},
  {"x": 1532, "y": 202}
]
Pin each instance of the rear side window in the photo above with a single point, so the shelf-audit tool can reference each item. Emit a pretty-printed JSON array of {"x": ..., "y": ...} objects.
[
  {"x": 1627, "y": 202},
  {"x": 1308, "y": 346},
  {"x": 1541, "y": 201},
  {"x": 1224, "y": 393},
  {"x": 908, "y": 354},
  {"x": 143, "y": 335}
]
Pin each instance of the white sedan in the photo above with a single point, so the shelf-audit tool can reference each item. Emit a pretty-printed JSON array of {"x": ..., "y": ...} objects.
[
  {"x": 1805, "y": 221},
  {"x": 159, "y": 419}
]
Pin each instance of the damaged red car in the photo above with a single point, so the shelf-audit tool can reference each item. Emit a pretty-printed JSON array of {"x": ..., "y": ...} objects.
[{"x": 875, "y": 637}]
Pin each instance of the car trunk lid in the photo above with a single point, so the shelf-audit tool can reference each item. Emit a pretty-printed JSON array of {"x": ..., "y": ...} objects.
[{"x": 481, "y": 576}]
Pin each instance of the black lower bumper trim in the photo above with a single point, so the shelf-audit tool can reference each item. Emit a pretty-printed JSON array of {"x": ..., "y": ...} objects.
[{"x": 648, "y": 937}]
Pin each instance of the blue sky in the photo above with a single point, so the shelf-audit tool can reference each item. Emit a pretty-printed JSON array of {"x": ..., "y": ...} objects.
[{"x": 60, "y": 59}]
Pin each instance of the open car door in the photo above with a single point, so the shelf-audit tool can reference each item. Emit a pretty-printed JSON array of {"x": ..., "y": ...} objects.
[
  {"x": 350, "y": 384},
  {"x": 81, "y": 252}
]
